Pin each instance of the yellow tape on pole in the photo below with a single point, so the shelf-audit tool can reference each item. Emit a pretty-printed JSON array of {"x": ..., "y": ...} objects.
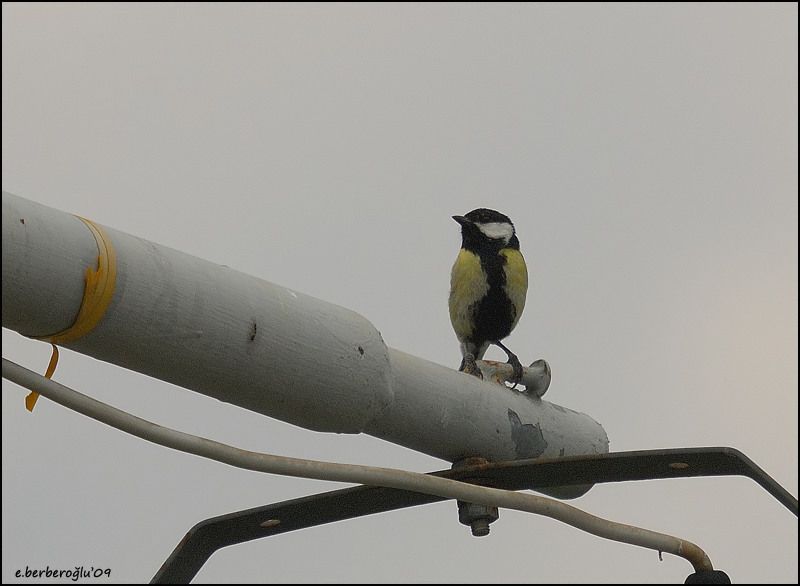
[{"x": 97, "y": 294}]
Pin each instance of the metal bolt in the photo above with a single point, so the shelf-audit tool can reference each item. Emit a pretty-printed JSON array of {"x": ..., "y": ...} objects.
[
  {"x": 477, "y": 517},
  {"x": 480, "y": 528}
]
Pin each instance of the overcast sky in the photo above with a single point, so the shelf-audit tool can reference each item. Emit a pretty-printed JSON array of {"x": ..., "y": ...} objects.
[{"x": 647, "y": 154}]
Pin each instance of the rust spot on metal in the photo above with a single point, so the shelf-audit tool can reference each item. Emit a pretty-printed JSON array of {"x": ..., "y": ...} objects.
[
  {"x": 679, "y": 465},
  {"x": 476, "y": 464},
  {"x": 270, "y": 523},
  {"x": 471, "y": 461},
  {"x": 495, "y": 371}
]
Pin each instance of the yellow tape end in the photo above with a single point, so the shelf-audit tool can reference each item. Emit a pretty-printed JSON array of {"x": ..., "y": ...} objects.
[
  {"x": 30, "y": 400},
  {"x": 33, "y": 396}
]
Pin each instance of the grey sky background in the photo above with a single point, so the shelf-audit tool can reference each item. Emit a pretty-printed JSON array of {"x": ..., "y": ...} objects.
[{"x": 647, "y": 154}]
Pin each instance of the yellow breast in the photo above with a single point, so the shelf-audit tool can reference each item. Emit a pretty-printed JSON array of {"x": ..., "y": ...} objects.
[{"x": 467, "y": 286}]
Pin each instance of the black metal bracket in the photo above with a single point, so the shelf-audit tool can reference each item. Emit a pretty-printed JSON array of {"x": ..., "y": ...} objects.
[{"x": 208, "y": 536}]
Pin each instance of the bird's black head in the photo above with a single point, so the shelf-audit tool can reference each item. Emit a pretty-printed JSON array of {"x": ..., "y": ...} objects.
[{"x": 484, "y": 228}]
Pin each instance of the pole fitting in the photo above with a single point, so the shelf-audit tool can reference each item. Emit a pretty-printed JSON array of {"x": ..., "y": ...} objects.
[{"x": 477, "y": 517}]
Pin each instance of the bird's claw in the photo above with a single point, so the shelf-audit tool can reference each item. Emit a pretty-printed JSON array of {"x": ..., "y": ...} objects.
[
  {"x": 516, "y": 365},
  {"x": 469, "y": 366}
]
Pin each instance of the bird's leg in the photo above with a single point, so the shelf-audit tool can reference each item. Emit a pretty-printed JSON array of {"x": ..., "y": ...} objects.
[
  {"x": 516, "y": 365},
  {"x": 469, "y": 366}
]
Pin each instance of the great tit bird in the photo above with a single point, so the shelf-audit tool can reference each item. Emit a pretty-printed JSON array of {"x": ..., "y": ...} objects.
[{"x": 488, "y": 285}]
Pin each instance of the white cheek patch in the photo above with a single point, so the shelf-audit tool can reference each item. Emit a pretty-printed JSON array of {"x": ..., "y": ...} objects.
[{"x": 497, "y": 230}]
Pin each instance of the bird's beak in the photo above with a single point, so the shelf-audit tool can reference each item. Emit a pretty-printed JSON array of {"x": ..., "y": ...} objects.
[{"x": 461, "y": 220}]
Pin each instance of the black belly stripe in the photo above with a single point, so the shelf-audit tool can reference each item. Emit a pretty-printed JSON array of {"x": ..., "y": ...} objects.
[{"x": 494, "y": 314}]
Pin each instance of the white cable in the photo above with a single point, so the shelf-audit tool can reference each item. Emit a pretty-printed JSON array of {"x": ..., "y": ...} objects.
[{"x": 351, "y": 473}]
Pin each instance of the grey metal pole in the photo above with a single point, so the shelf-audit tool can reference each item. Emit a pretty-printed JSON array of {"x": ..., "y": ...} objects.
[{"x": 266, "y": 348}]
